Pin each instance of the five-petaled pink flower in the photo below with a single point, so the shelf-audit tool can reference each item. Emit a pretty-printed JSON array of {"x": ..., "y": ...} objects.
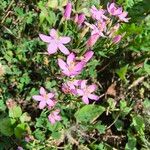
[
  {"x": 98, "y": 14},
  {"x": 45, "y": 99},
  {"x": 71, "y": 67},
  {"x": 54, "y": 116},
  {"x": 56, "y": 42},
  {"x": 68, "y": 10},
  {"x": 86, "y": 92},
  {"x": 113, "y": 10}
]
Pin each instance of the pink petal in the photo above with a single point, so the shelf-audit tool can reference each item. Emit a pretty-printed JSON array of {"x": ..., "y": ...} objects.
[
  {"x": 64, "y": 40},
  {"x": 52, "y": 48},
  {"x": 53, "y": 33},
  {"x": 51, "y": 119},
  {"x": 42, "y": 91},
  {"x": 62, "y": 64},
  {"x": 81, "y": 19},
  {"x": 92, "y": 88},
  {"x": 50, "y": 95},
  {"x": 58, "y": 118},
  {"x": 85, "y": 99},
  {"x": 74, "y": 73},
  {"x": 112, "y": 5},
  {"x": 67, "y": 73},
  {"x": 79, "y": 66},
  {"x": 70, "y": 58},
  {"x": 88, "y": 55},
  {"x": 45, "y": 38},
  {"x": 92, "y": 40},
  {"x": 63, "y": 49},
  {"x": 50, "y": 102},
  {"x": 38, "y": 97},
  {"x": 80, "y": 92},
  {"x": 42, "y": 104},
  {"x": 56, "y": 112},
  {"x": 93, "y": 96},
  {"x": 119, "y": 11},
  {"x": 77, "y": 82},
  {"x": 117, "y": 39},
  {"x": 83, "y": 84}
]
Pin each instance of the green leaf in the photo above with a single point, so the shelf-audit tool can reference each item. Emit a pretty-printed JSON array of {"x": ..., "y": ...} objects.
[
  {"x": 6, "y": 127},
  {"x": 15, "y": 112},
  {"x": 147, "y": 66},
  {"x": 20, "y": 130},
  {"x": 25, "y": 117},
  {"x": 2, "y": 106},
  {"x": 56, "y": 135},
  {"x": 88, "y": 113},
  {"x": 124, "y": 108},
  {"x": 101, "y": 128},
  {"x": 138, "y": 123},
  {"x": 39, "y": 135},
  {"x": 131, "y": 145},
  {"x": 122, "y": 73},
  {"x": 52, "y": 3},
  {"x": 119, "y": 125},
  {"x": 112, "y": 103},
  {"x": 51, "y": 17},
  {"x": 123, "y": 104}
]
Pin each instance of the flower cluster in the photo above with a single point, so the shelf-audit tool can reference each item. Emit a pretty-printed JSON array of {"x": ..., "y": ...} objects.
[
  {"x": 80, "y": 88},
  {"x": 103, "y": 23},
  {"x": 47, "y": 100},
  {"x": 73, "y": 65}
]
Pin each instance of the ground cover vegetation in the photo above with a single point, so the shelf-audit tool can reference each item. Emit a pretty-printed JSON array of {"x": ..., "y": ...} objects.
[{"x": 74, "y": 75}]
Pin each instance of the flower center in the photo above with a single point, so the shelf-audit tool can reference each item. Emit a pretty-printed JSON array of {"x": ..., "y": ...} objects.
[
  {"x": 71, "y": 66},
  {"x": 46, "y": 97}
]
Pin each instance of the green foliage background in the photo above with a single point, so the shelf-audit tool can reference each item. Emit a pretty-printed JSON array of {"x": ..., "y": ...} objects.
[{"x": 120, "y": 122}]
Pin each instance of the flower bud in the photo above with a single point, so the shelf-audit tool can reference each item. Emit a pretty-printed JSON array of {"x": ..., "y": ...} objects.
[
  {"x": 68, "y": 10},
  {"x": 117, "y": 39}
]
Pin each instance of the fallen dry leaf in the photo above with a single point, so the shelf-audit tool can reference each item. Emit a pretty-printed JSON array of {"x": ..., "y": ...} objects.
[{"x": 111, "y": 90}]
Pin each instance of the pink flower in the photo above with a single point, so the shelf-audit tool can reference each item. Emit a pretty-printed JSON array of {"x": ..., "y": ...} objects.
[
  {"x": 52, "y": 106},
  {"x": 28, "y": 138},
  {"x": 117, "y": 39},
  {"x": 98, "y": 14},
  {"x": 97, "y": 28},
  {"x": 71, "y": 67},
  {"x": 68, "y": 10},
  {"x": 123, "y": 16},
  {"x": 55, "y": 42},
  {"x": 79, "y": 19},
  {"x": 97, "y": 32},
  {"x": 70, "y": 87},
  {"x": 113, "y": 10},
  {"x": 19, "y": 148},
  {"x": 44, "y": 99},
  {"x": 54, "y": 116},
  {"x": 86, "y": 92}
]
